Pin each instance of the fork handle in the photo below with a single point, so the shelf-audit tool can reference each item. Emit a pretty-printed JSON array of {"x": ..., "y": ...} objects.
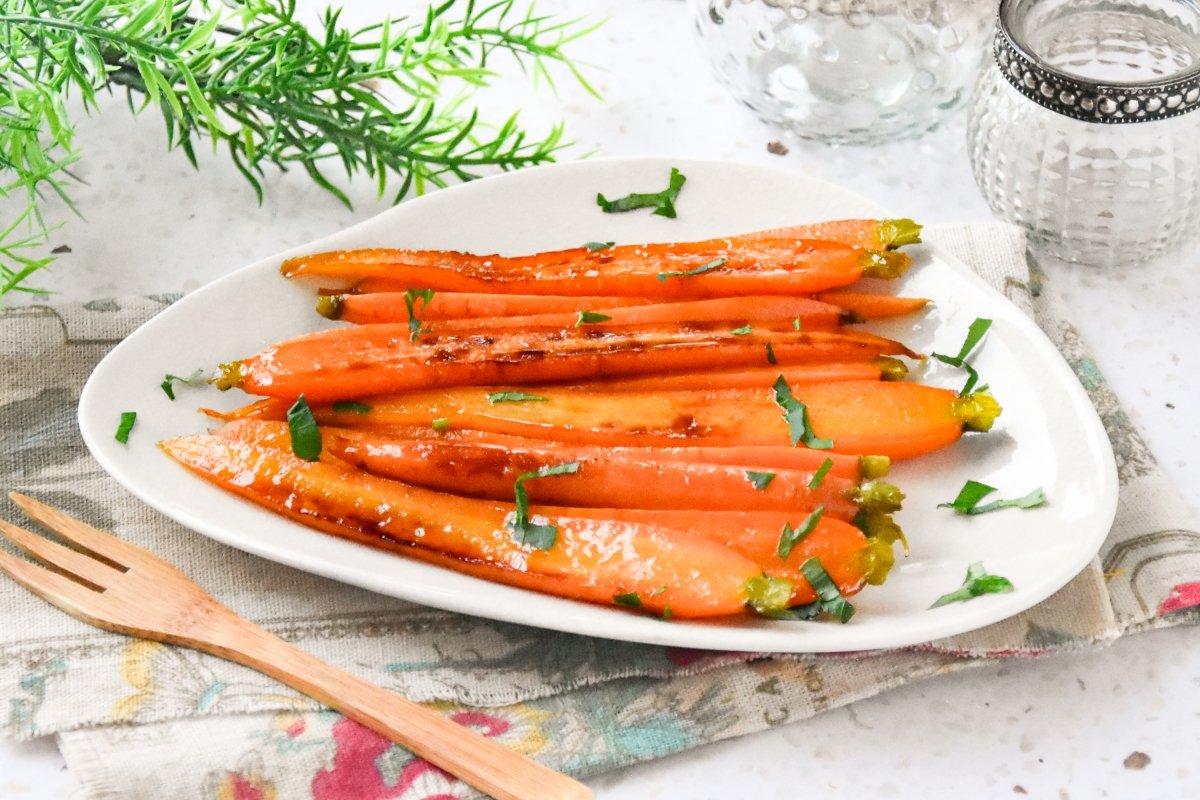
[{"x": 483, "y": 763}]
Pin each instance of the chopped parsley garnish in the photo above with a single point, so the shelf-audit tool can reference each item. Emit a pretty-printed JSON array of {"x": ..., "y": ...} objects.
[
  {"x": 790, "y": 537},
  {"x": 796, "y": 323},
  {"x": 169, "y": 381},
  {"x": 761, "y": 480},
  {"x": 975, "y": 334},
  {"x": 662, "y": 202},
  {"x": 415, "y": 328},
  {"x": 441, "y": 424},
  {"x": 667, "y": 613},
  {"x": 771, "y": 354},
  {"x": 305, "y": 435},
  {"x": 128, "y": 418},
  {"x": 973, "y": 492},
  {"x": 742, "y": 331},
  {"x": 819, "y": 476},
  {"x": 350, "y": 407},
  {"x": 978, "y": 582},
  {"x": 538, "y": 536},
  {"x": 829, "y": 599},
  {"x": 795, "y": 414},
  {"x": 515, "y": 397},
  {"x": 709, "y": 267},
  {"x": 593, "y": 247},
  {"x": 591, "y": 317},
  {"x": 630, "y": 600}
]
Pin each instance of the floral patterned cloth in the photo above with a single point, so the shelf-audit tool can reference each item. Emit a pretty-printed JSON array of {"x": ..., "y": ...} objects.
[{"x": 137, "y": 719}]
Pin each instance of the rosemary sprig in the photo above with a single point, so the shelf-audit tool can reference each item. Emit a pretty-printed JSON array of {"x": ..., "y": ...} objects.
[{"x": 387, "y": 100}]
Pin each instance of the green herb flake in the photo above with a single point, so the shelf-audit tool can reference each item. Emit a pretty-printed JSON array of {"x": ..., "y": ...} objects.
[
  {"x": 495, "y": 398},
  {"x": 819, "y": 476},
  {"x": 305, "y": 435},
  {"x": 662, "y": 202},
  {"x": 415, "y": 326},
  {"x": 709, "y": 267},
  {"x": 128, "y": 418},
  {"x": 790, "y": 537},
  {"x": 796, "y": 323},
  {"x": 975, "y": 334},
  {"x": 169, "y": 381},
  {"x": 350, "y": 407},
  {"x": 630, "y": 600},
  {"x": 666, "y": 614},
  {"x": 761, "y": 480},
  {"x": 771, "y": 354},
  {"x": 441, "y": 424},
  {"x": 658, "y": 591},
  {"x": 591, "y": 318},
  {"x": 973, "y": 493},
  {"x": 593, "y": 247},
  {"x": 829, "y": 599},
  {"x": 742, "y": 331},
  {"x": 978, "y": 582},
  {"x": 540, "y": 537},
  {"x": 795, "y": 414}
]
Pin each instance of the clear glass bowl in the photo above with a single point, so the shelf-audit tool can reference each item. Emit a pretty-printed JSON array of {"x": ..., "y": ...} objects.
[
  {"x": 848, "y": 71},
  {"x": 1068, "y": 132}
]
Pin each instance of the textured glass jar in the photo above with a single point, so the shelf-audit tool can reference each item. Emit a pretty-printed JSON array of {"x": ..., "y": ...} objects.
[
  {"x": 1082, "y": 130},
  {"x": 848, "y": 71}
]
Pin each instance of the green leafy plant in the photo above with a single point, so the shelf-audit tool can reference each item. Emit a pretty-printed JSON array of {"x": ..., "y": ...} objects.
[{"x": 388, "y": 100}]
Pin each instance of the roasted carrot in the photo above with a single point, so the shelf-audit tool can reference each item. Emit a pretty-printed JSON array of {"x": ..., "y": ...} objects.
[
  {"x": 377, "y": 359},
  {"x": 733, "y": 312},
  {"x": 715, "y": 268},
  {"x": 593, "y": 559},
  {"x": 893, "y": 419},
  {"x": 883, "y": 368},
  {"x": 381, "y": 299},
  {"x": 873, "y": 306},
  {"x": 604, "y": 479},
  {"x": 868, "y": 234}
]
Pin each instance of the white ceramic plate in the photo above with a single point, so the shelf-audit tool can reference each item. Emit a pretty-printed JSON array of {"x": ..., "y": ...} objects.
[{"x": 1049, "y": 434}]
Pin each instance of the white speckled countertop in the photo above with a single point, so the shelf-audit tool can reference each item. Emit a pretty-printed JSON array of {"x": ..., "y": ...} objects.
[{"x": 1061, "y": 727}]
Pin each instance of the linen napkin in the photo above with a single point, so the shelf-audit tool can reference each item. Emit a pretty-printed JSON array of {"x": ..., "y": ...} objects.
[{"x": 137, "y": 719}]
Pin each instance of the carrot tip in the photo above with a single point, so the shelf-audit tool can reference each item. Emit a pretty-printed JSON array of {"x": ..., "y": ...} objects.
[
  {"x": 329, "y": 306},
  {"x": 879, "y": 496},
  {"x": 768, "y": 595},
  {"x": 884, "y": 264},
  {"x": 895, "y": 233},
  {"x": 873, "y": 467},
  {"x": 976, "y": 411},
  {"x": 877, "y": 561},
  {"x": 229, "y": 376},
  {"x": 891, "y": 369}
]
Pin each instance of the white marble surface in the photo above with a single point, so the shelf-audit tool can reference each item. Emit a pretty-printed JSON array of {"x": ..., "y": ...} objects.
[{"x": 1060, "y": 727}]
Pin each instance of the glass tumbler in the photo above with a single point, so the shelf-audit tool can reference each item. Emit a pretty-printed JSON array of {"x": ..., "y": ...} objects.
[
  {"x": 848, "y": 71},
  {"x": 1082, "y": 131}
]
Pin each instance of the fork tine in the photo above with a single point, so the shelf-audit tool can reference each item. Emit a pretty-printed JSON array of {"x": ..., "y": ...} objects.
[
  {"x": 55, "y": 555},
  {"x": 72, "y": 597},
  {"x": 79, "y": 533}
]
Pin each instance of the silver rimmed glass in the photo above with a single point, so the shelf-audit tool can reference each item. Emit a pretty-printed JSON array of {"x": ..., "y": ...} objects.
[{"x": 1083, "y": 132}]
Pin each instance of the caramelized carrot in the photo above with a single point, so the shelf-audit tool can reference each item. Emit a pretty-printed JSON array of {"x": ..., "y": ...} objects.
[
  {"x": 868, "y": 234},
  {"x": 381, "y": 299},
  {"x": 715, "y": 268},
  {"x": 897, "y": 420},
  {"x": 378, "y": 359},
  {"x": 883, "y": 368},
  {"x": 593, "y": 559},
  {"x": 873, "y": 306},
  {"x": 604, "y": 479},
  {"x": 733, "y": 312}
]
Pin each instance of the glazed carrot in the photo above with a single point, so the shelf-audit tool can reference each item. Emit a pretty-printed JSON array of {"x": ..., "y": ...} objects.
[
  {"x": 379, "y": 299},
  {"x": 873, "y": 306},
  {"x": 733, "y": 312},
  {"x": 715, "y": 268},
  {"x": 378, "y": 359},
  {"x": 590, "y": 558},
  {"x": 604, "y": 479},
  {"x": 767, "y": 457},
  {"x": 868, "y": 234},
  {"x": 893, "y": 419},
  {"x": 883, "y": 368}
]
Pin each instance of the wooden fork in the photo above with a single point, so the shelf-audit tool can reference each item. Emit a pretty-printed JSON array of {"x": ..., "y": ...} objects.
[{"x": 117, "y": 586}]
